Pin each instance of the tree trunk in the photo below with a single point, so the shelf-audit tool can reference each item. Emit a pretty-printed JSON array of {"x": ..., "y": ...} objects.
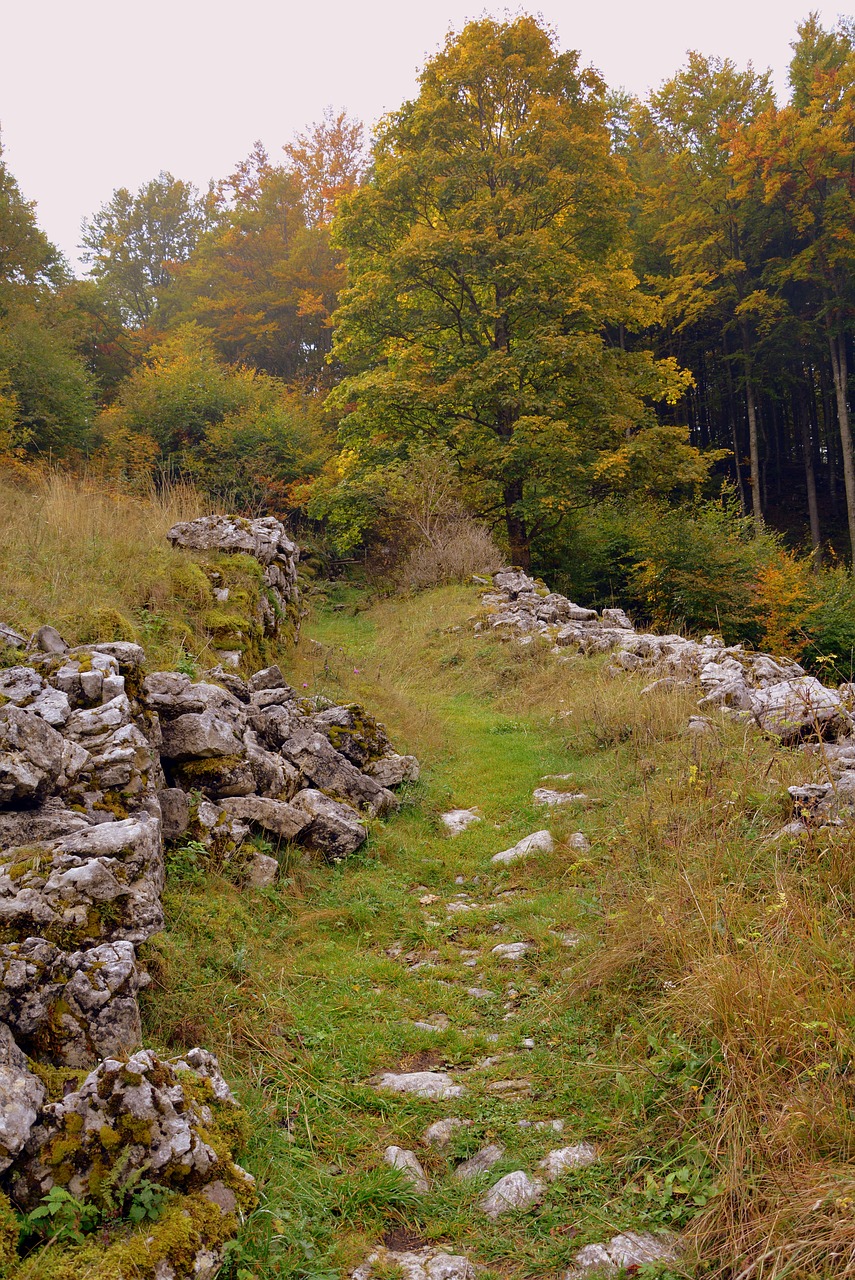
[
  {"x": 839, "y": 371},
  {"x": 515, "y": 525},
  {"x": 801, "y": 411},
  {"x": 753, "y": 438},
  {"x": 742, "y": 499}
]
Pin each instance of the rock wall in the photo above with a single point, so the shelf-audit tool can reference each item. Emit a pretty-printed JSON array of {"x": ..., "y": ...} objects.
[
  {"x": 775, "y": 693},
  {"x": 100, "y": 763},
  {"x": 275, "y": 608}
]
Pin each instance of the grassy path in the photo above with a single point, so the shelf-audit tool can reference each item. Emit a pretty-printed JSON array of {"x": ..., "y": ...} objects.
[{"x": 311, "y": 989}]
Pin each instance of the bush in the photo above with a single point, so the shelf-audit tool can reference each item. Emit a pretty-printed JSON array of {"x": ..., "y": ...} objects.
[{"x": 454, "y": 552}]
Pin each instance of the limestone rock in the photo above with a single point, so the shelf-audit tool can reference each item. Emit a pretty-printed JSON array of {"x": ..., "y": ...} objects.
[
  {"x": 457, "y": 820},
  {"x": 10, "y": 638},
  {"x": 576, "y": 1157},
  {"x": 31, "y": 754},
  {"x": 175, "y": 812},
  {"x": 391, "y": 770},
  {"x": 269, "y": 678},
  {"x": 481, "y": 1162},
  {"x": 579, "y": 841},
  {"x": 333, "y": 828},
  {"x": 427, "y": 1263},
  {"x": 135, "y": 1110},
  {"x": 263, "y": 871},
  {"x": 198, "y": 735},
  {"x": 510, "y": 951},
  {"x": 71, "y": 1008},
  {"x": 328, "y": 770},
  {"x": 422, "y": 1084},
  {"x": 792, "y": 707},
  {"x": 283, "y": 820},
  {"x": 629, "y": 1250},
  {"x": 537, "y": 842},
  {"x": 515, "y": 1191},
  {"x": 48, "y": 640},
  {"x": 439, "y": 1133},
  {"x": 547, "y": 796},
  {"x": 408, "y": 1164},
  {"x": 95, "y": 883},
  {"x": 21, "y": 1096}
]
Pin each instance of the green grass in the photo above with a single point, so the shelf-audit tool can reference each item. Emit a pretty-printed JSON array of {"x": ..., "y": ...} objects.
[{"x": 296, "y": 991}]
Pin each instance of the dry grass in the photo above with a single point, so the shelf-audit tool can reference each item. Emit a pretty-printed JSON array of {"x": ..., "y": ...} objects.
[{"x": 94, "y": 561}]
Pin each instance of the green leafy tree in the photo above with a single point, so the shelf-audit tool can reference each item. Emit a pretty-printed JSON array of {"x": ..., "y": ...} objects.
[
  {"x": 490, "y": 285},
  {"x": 133, "y": 243},
  {"x": 241, "y": 434},
  {"x": 46, "y": 395}
]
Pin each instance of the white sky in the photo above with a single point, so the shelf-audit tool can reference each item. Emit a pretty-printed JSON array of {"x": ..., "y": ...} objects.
[{"x": 97, "y": 94}]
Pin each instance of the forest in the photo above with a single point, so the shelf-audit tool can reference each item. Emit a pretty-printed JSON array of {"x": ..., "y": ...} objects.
[{"x": 612, "y": 338}]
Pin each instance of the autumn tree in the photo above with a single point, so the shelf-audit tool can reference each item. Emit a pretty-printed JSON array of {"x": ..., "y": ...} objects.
[
  {"x": 490, "y": 286},
  {"x": 691, "y": 213},
  {"x": 329, "y": 159},
  {"x": 133, "y": 243},
  {"x": 802, "y": 159},
  {"x": 261, "y": 280}
]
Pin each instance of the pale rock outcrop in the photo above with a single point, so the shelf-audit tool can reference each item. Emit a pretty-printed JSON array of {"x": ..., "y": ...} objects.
[{"x": 21, "y": 1097}]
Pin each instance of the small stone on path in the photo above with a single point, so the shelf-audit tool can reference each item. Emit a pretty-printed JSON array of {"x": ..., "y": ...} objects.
[
  {"x": 515, "y": 1191},
  {"x": 439, "y": 1133},
  {"x": 577, "y": 1157},
  {"x": 544, "y": 795},
  {"x": 457, "y": 820},
  {"x": 631, "y": 1249},
  {"x": 408, "y": 1164},
  {"x": 481, "y": 1162},
  {"x": 510, "y": 950},
  {"x": 537, "y": 842},
  {"x": 428, "y": 1263},
  {"x": 557, "y": 1126},
  {"x": 510, "y": 1088},
  {"x": 422, "y": 1084},
  {"x": 480, "y": 993}
]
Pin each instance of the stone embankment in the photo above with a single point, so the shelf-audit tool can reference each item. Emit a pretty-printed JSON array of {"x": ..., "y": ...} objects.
[
  {"x": 100, "y": 764},
  {"x": 775, "y": 694}
]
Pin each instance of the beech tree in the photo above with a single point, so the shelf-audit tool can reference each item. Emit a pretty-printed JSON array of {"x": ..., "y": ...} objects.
[
  {"x": 491, "y": 291},
  {"x": 261, "y": 280},
  {"x": 133, "y": 243}
]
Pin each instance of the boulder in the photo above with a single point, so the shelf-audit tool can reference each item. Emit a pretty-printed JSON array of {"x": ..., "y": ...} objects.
[
  {"x": 281, "y": 819},
  {"x": 790, "y": 708},
  {"x": 391, "y": 770},
  {"x": 353, "y": 732},
  {"x": 71, "y": 1009},
  {"x": 269, "y": 678},
  {"x": 556, "y": 1163},
  {"x": 21, "y": 1096},
  {"x": 31, "y": 756},
  {"x": 198, "y": 735},
  {"x": 328, "y": 770},
  {"x": 263, "y": 871},
  {"x": 333, "y": 828},
  {"x": 175, "y": 812},
  {"x": 136, "y": 1111},
  {"x": 48, "y": 640},
  {"x": 93, "y": 884}
]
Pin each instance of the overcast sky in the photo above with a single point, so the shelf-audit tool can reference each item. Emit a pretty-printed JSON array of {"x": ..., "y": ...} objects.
[{"x": 97, "y": 94}]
